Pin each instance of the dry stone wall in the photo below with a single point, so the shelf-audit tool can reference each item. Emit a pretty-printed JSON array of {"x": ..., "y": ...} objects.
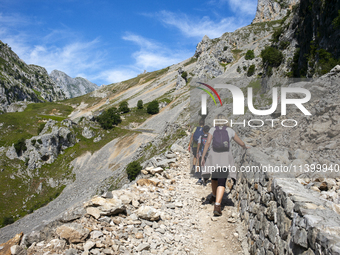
[{"x": 282, "y": 216}]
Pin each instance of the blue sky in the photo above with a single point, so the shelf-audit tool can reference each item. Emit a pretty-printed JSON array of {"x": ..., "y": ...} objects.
[{"x": 110, "y": 41}]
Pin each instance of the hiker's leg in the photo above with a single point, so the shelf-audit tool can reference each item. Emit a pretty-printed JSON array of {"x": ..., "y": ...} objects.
[
  {"x": 194, "y": 152},
  {"x": 214, "y": 184},
  {"x": 220, "y": 189}
]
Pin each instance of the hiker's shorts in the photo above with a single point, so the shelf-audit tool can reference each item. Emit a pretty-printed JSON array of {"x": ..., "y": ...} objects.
[
  {"x": 194, "y": 151},
  {"x": 220, "y": 181}
]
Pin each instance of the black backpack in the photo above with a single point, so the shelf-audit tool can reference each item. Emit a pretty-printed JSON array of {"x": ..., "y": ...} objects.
[
  {"x": 198, "y": 133},
  {"x": 220, "y": 141}
]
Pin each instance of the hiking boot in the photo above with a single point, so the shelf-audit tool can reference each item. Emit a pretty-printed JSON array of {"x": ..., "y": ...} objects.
[
  {"x": 199, "y": 182},
  {"x": 212, "y": 200},
  {"x": 217, "y": 210}
]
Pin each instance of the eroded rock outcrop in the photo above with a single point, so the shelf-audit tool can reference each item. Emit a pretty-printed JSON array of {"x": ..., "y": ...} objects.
[{"x": 268, "y": 10}]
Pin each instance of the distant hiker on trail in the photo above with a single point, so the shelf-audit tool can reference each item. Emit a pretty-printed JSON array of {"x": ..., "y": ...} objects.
[
  {"x": 202, "y": 140},
  {"x": 196, "y": 133},
  {"x": 220, "y": 154}
]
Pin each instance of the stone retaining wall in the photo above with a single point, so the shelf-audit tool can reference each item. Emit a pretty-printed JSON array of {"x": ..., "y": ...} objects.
[{"x": 282, "y": 216}]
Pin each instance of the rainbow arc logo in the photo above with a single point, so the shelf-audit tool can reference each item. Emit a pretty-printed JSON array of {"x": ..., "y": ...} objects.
[{"x": 208, "y": 92}]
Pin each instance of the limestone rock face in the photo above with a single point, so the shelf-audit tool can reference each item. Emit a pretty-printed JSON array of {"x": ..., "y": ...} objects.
[
  {"x": 268, "y": 10},
  {"x": 21, "y": 82},
  {"x": 72, "y": 87},
  {"x": 47, "y": 145}
]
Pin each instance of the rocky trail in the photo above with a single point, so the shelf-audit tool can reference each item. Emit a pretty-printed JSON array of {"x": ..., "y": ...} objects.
[{"x": 166, "y": 214}]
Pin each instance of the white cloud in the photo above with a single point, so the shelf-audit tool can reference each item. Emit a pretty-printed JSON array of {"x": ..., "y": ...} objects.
[
  {"x": 117, "y": 75},
  {"x": 244, "y": 7},
  {"x": 192, "y": 27},
  {"x": 154, "y": 55},
  {"x": 73, "y": 56},
  {"x": 151, "y": 56}
]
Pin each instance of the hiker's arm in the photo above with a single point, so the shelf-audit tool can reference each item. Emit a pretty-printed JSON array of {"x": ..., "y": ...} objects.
[
  {"x": 206, "y": 147},
  {"x": 240, "y": 142},
  {"x": 191, "y": 138}
]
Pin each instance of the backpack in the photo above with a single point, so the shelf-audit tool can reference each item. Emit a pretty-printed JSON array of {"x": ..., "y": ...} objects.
[
  {"x": 204, "y": 139},
  {"x": 198, "y": 133},
  {"x": 220, "y": 139}
]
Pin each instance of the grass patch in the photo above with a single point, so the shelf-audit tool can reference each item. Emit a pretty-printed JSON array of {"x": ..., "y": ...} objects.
[
  {"x": 192, "y": 60},
  {"x": 18, "y": 125}
]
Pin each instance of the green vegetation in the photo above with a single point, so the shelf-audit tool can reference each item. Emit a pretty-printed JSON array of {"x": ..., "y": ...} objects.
[
  {"x": 271, "y": 57},
  {"x": 25, "y": 124},
  {"x": 192, "y": 60},
  {"x": 336, "y": 21},
  {"x": 133, "y": 169},
  {"x": 224, "y": 65},
  {"x": 109, "y": 118},
  {"x": 41, "y": 127},
  {"x": 140, "y": 104},
  {"x": 153, "y": 107},
  {"x": 277, "y": 33},
  {"x": 317, "y": 61},
  {"x": 251, "y": 70},
  {"x": 6, "y": 221},
  {"x": 239, "y": 69},
  {"x": 284, "y": 45},
  {"x": 326, "y": 61},
  {"x": 124, "y": 107},
  {"x": 184, "y": 75},
  {"x": 20, "y": 146},
  {"x": 249, "y": 55}
]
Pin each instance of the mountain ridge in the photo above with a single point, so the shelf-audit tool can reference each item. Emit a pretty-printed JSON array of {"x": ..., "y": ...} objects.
[
  {"x": 72, "y": 87},
  {"x": 22, "y": 82}
]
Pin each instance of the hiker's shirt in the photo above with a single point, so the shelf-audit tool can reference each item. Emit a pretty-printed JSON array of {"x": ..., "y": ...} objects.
[
  {"x": 205, "y": 136},
  {"x": 221, "y": 159}
]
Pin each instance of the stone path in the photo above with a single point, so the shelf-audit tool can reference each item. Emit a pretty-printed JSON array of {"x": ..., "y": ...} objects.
[{"x": 166, "y": 214}]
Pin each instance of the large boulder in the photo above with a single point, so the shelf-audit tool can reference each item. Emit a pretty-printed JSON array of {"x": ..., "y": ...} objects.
[
  {"x": 148, "y": 213},
  {"x": 73, "y": 232},
  {"x": 99, "y": 206}
]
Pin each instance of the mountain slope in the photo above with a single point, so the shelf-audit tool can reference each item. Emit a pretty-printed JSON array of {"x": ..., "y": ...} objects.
[
  {"x": 22, "y": 82},
  {"x": 72, "y": 87}
]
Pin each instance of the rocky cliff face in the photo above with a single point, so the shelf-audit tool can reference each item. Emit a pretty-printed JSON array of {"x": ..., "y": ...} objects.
[
  {"x": 317, "y": 33},
  {"x": 72, "y": 87},
  {"x": 22, "y": 82},
  {"x": 268, "y": 10}
]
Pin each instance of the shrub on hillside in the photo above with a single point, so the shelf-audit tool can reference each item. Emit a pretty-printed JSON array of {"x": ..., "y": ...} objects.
[
  {"x": 20, "y": 146},
  {"x": 140, "y": 104},
  {"x": 271, "y": 56},
  {"x": 124, "y": 107},
  {"x": 249, "y": 55},
  {"x": 326, "y": 61},
  {"x": 133, "y": 169},
  {"x": 41, "y": 127},
  {"x": 251, "y": 70},
  {"x": 184, "y": 75},
  {"x": 153, "y": 107},
  {"x": 109, "y": 118}
]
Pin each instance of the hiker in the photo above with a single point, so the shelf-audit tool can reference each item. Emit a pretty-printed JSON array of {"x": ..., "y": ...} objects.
[
  {"x": 196, "y": 133},
  {"x": 201, "y": 143},
  {"x": 219, "y": 138}
]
